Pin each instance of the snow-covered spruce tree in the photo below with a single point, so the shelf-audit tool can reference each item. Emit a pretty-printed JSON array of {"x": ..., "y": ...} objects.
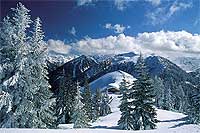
[
  {"x": 60, "y": 100},
  {"x": 5, "y": 107},
  {"x": 20, "y": 83},
  {"x": 96, "y": 104},
  {"x": 7, "y": 55},
  {"x": 143, "y": 99},
  {"x": 182, "y": 100},
  {"x": 105, "y": 108},
  {"x": 126, "y": 119},
  {"x": 167, "y": 102},
  {"x": 159, "y": 92},
  {"x": 79, "y": 117},
  {"x": 7, "y": 49},
  {"x": 194, "y": 110},
  {"x": 87, "y": 100},
  {"x": 27, "y": 84},
  {"x": 67, "y": 92},
  {"x": 45, "y": 117}
]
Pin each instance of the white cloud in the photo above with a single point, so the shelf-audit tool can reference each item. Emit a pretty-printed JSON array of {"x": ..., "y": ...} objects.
[
  {"x": 197, "y": 21},
  {"x": 121, "y": 4},
  {"x": 161, "y": 43},
  {"x": 108, "y": 26},
  {"x": 73, "y": 31},
  {"x": 178, "y": 6},
  {"x": 167, "y": 44},
  {"x": 58, "y": 46},
  {"x": 117, "y": 27},
  {"x": 107, "y": 45},
  {"x": 154, "y": 2},
  {"x": 161, "y": 14},
  {"x": 181, "y": 41}
]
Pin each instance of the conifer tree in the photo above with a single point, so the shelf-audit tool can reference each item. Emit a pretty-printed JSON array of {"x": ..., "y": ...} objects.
[
  {"x": 60, "y": 100},
  {"x": 37, "y": 63},
  {"x": 126, "y": 119},
  {"x": 66, "y": 98},
  {"x": 167, "y": 102},
  {"x": 182, "y": 100},
  {"x": 105, "y": 108},
  {"x": 194, "y": 110},
  {"x": 87, "y": 100},
  {"x": 7, "y": 49},
  {"x": 159, "y": 92},
  {"x": 96, "y": 104},
  {"x": 143, "y": 99},
  {"x": 5, "y": 107},
  {"x": 7, "y": 55},
  {"x": 22, "y": 93},
  {"x": 79, "y": 117},
  {"x": 26, "y": 82}
]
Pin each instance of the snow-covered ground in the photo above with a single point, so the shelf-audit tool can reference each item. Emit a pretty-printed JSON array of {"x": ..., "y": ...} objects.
[{"x": 170, "y": 122}]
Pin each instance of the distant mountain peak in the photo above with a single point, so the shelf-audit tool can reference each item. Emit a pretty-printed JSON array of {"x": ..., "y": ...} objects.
[{"x": 129, "y": 54}]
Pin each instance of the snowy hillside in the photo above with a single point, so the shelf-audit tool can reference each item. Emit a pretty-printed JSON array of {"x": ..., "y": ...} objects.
[
  {"x": 188, "y": 63},
  {"x": 169, "y": 122},
  {"x": 110, "y": 80}
]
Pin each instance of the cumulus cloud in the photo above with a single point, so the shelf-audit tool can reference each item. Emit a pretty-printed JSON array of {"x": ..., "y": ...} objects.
[
  {"x": 117, "y": 27},
  {"x": 155, "y": 42},
  {"x": 119, "y": 4},
  {"x": 160, "y": 43},
  {"x": 162, "y": 14},
  {"x": 58, "y": 46},
  {"x": 181, "y": 41},
  {"x": 72, "y": 31},
  {"x": 107, "y": 45}
]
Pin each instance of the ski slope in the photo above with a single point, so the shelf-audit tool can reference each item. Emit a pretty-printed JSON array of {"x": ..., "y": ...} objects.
[
  {"x": 170, "y": 122},
  {"x": 111, "y": 80}
]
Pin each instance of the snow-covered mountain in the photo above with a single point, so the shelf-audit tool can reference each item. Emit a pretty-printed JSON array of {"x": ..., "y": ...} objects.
[
  {"x": 96, "y": 68},
  {"x": 111, "y": 81},
  {"x": 119, "y": 58},
  {"x": 187, "y": 63},
  {"x": 55, "y": 60}
]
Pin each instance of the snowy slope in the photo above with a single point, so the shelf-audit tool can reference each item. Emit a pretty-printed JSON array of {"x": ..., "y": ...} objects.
[
  {"x": 187, "y": 63},
  {"x": 110, "y": 80},
  {"x": 170, "y": 122}
]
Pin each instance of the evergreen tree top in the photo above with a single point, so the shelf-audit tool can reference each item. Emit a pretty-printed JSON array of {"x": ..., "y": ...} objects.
[
  {"x": 38, "y": 34},
  {"x": 21, "y": 14}
]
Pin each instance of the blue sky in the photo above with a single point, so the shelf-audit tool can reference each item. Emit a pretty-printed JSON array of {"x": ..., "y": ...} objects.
[
  {"x": 164, "y": 27},
  {"x": 71, "y": 20}
]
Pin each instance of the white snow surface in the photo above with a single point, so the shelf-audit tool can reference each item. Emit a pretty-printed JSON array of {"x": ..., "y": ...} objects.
[
  {"x": 111, "y": 80},
  {"x": 170, "y": 122}
]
